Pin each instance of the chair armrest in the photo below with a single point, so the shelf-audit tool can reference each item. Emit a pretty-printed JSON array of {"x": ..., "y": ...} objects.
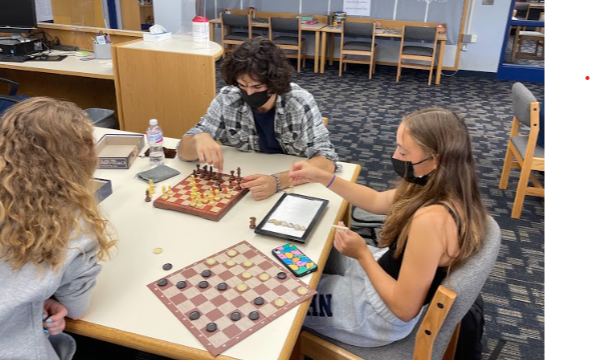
[
  {"x": 13, "y": 86},
  {"x": 9, "y": 98}
]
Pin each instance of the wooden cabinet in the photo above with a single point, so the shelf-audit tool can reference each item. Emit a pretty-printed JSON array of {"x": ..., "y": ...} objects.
[{"x": 172, "y": 81}]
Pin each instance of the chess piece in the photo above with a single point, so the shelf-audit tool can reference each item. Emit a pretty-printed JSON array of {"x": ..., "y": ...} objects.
[
  {"x": 164, "y": 194},
  {"x": 228, "y": 193},
  {"x": 239, "y": 187},
  {"x": 199, "y": 203},
  {"x": 198, "y": 169},
  {"x": 169, "y": 192},
  {"x": 148, "y": 197},
  {"x": 217, "y": 195},
  {"x": 238, "y": 171},
  {"x": 232, "y": 178},
  {"x": 252, "y": 222}
]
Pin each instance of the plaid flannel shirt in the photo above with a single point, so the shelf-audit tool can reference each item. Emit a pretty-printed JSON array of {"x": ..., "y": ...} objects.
[{"x": 298, "y": 124}]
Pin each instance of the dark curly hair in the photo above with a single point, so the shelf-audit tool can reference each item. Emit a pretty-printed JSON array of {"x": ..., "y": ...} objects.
[{"x": 262, "y": 60}]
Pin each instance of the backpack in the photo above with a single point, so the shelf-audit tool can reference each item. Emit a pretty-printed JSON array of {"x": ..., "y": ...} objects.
[
  {"x": 367, "y": 225},
  {"x": 471, "y": 329}
]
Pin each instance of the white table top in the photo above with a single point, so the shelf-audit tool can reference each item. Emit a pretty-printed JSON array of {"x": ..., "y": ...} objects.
[
  {"x": 182, "y": 44},
  {"x": 72, "y": 65},
  {"x": 121, "y": 299}
]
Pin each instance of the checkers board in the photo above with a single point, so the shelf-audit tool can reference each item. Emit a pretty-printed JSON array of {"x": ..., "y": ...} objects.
[
  {"x": 197, "y": 307},
  {"x": 214, "y": 210}
]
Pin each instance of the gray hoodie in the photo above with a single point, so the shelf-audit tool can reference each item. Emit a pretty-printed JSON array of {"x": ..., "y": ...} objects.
[{"x": 22, "y": 293}]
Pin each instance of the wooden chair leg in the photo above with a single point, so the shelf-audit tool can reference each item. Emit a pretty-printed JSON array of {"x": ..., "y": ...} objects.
[
  {"x": 370, "y": 67},
  {"x": 398, "y": 72},
  {"x": 506, "y": 169},
  {"x": 299, "y": 57},
  {"x": 430, "y": 74},
  {"x": 341, "y": 66},
  {"x": 521, "y": 188}
]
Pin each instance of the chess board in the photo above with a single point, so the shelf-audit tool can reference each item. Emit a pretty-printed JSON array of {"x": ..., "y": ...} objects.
[
  {"x": 217, "y": 306},
  {"x": 214, "y": 210}
]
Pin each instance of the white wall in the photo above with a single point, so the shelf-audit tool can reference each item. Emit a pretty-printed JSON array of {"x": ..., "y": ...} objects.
[
  {"x": 175, "y": 15},
  {"x": 488, "y": 23}
]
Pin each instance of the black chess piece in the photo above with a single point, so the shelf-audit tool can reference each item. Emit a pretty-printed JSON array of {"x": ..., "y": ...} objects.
[
  {"x": 232, "y": 178},
  {"x": 239, "y": 187}
]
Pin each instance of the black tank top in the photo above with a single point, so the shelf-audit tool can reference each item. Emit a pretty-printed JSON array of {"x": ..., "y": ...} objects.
[{"x": 392, "y": 265}]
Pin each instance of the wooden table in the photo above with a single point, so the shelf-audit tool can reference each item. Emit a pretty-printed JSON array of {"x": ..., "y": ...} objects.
[
  {"x": 86, "y": 83},
  {"x": 382, "y": 32},
  {"x": 264, "y": 23},
  {"x": 124, "y": 311}
]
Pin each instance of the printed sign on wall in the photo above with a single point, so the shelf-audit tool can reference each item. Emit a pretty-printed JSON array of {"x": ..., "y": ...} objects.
[{"x": 357, "y": 7}]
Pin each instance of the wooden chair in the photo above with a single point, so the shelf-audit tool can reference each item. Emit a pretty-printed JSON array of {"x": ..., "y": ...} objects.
[
  {"x": 523, "y": 152},
  {"x": 325, "y": 121},
  {"x": 233, "y": 38},
  {"x": 358, "y": 48},
  {"x": 435, "y": 336},
  {"x": 418, "y": 56},
  {"x": 522, "y": 35},
  {"x": 521, "y": 10},
  {"x": 296, "y": 43}
]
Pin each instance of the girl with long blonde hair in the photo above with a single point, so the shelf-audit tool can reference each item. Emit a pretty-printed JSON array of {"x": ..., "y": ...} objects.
[
  {"x": 51, "y": 232},
  {"x": 436, "y": 221}
]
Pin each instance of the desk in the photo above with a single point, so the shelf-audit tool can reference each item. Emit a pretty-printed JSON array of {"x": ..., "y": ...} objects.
[
  {"x": 68, "y": 79},
  {"x": 264, "y": 23},
  {"x": 382, "y": 32},
  {"x": 124, "y": 311}
]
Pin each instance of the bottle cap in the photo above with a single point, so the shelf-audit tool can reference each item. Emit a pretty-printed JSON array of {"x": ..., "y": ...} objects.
[
  {"x": 200, "y": 19},
  {"x": 153, "y": 122}
]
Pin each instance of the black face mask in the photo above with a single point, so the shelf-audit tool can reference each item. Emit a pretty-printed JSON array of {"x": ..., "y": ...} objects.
[
  {"x": 257, "y": 99},
  {"x": 405, "y": 170}
]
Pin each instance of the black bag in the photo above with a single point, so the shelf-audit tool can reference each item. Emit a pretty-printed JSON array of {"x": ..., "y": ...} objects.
[
  {"x": 367, "y": 225},
  {"x": 471, "y": 330}
]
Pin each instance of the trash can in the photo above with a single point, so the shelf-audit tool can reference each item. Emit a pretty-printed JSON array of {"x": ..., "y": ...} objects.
[{"x": 103, "y": 118}]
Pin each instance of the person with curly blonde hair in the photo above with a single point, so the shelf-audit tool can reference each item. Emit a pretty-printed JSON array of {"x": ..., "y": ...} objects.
[
  {"x": 51, "y": 232},
  {"x": 435, "y": 222}
]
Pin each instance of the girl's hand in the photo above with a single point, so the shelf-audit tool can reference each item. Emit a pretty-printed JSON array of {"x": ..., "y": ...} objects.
[
  {"x": 53, "y": 316},
  {"x": 350, "y": 244}
]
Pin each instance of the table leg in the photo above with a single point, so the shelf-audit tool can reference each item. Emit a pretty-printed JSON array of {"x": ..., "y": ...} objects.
[
  {"x": 440, "y": 61},
  {"x": 331, "y": 48},
  {"x": 316, "y": 45},
  {"x": 323, "y": 52}
]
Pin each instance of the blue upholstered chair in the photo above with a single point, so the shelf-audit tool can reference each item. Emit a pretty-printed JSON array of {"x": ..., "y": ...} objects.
[
  {"x": 11, "y": 98},
  {"x": 435, "y": 336}
]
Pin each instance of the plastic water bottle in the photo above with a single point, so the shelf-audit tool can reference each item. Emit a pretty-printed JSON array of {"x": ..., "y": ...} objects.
[
  {"x": 201, "y": 30},
  {"x": 155, "y": 140}
]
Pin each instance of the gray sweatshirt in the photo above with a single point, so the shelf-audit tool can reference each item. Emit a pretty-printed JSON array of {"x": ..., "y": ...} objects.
[{"x": 22, "y": 293}]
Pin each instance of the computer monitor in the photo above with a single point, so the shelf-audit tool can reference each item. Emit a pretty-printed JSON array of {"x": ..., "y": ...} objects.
[{"x": 17, "y": 16}]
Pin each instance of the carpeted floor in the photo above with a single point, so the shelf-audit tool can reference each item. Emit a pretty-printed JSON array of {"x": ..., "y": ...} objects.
[{"x": 363, "y": 118}]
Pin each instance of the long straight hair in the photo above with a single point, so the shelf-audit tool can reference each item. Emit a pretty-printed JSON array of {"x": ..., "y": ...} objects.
[
  {"x": 47, "y": 162},
  {"x": 442, "y": 135}
]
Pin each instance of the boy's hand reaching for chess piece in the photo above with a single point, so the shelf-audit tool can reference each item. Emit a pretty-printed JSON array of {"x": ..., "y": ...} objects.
[
  {"x": 53, "y": 316},
  {"x": 209, "y": 151}
]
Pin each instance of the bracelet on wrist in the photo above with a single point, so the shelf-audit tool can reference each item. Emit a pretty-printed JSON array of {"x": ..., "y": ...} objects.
[
  {"x": 278, "y": 182},
  {"x": 334, "y": 176}
]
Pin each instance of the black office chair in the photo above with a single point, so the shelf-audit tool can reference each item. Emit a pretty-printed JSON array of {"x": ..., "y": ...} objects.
[{"x": 293, "y": 41}]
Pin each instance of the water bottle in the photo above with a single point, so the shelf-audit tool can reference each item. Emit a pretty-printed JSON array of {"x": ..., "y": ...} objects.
[
  {"x": 201, "y": 30},
  {"x": 155, "y": 140}
]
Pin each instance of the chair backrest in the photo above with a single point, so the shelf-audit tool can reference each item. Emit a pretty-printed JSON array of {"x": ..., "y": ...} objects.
[
  {"x": 420, "y": 33},
  {"x": 235, "y": 20},
  {"x": 521, "y": 9},
  {"x": 284, "y": 24},
  {"x": 467, "y": 282},
  {"x": 522, "y": 100},
  {"x": 357, "y": 29}
]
